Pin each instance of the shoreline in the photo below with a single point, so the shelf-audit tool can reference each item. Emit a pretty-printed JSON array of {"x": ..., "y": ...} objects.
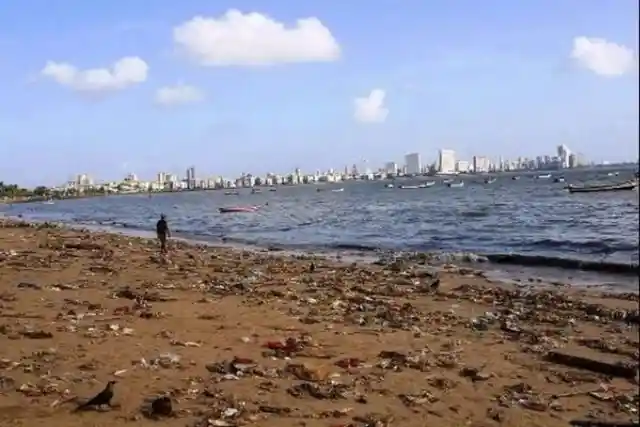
[
  {"x": 259, "y": 338},
  {"x": 506, "y": 267}
]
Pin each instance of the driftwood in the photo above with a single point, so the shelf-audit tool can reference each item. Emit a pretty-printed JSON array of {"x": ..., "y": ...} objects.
[
  {"x": 598, "y": 366},
  {"x": 595, "y": 423}
]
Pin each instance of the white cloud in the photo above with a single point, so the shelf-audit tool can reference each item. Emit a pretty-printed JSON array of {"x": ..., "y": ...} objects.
[
  {"x": 254, "y": 39},
  {"x": 603, "y": 57},
  {"x": 179, "y": 94},
  {"x": 123, "y": 73},
  {"x": 371, "y": 109}
]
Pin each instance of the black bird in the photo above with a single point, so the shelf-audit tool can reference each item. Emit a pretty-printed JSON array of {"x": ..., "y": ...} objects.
[
  {"x": 100, "y": 399},
  {"x": 161, "y": 407},
  {"x": 435, "y": 285},
  {"x": 312, "y": 267}
]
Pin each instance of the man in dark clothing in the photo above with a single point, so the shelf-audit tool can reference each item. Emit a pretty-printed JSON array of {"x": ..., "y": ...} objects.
[{"x": 162, "y": 228}]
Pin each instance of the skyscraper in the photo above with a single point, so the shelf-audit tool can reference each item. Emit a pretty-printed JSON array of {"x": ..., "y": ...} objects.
[
  {"x": 413, "y": 163},
  {"x": 447, "y": 161}
]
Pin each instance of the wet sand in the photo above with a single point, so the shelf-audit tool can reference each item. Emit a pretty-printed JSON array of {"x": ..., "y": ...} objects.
[{"x": 342, "y": 345}]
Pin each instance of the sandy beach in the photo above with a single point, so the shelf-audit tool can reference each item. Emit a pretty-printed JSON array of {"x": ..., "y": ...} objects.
[{"x": 239, "y": 338}]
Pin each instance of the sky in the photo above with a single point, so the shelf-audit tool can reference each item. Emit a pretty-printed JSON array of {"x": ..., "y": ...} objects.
[{"x": 108, "y": 87}]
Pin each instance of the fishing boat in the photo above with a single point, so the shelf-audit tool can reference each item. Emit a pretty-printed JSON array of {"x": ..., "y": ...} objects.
[
  {"x": 337, "y": 190},
  {"x": 429, "y": 184},
  {"x": 231, "y": 193},
  {"x": 256, "y": 191},
  {"x": 546, "y": 176},
  {"x": 559, "y": 179},
  {"x": 238, "y": 209},
  {"x": 490, "y": 180},
  {"x": 515, "y": 178},
  {"x": 625, "y": 186},
  {"x": 273, "y": 189},
  {"x": 388, "y": 186},
  {"x": 456, "y": 184},
  {"x": 409, "y": 187}
]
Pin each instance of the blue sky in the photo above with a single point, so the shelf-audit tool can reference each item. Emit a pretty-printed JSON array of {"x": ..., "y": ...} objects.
[{"x": 492, "y": 77}]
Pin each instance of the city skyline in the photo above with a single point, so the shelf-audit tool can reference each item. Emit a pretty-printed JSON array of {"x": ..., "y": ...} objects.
[{"x": 119, "y": 87}]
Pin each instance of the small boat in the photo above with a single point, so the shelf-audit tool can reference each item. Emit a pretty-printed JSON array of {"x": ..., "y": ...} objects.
[
  {"x": 409, "y": 187},
  {"x": 456, "y": 184},
  {"x": 238, "y": 209},
  {"x": 273, "y": 189},
  {"x": 428, "y": 184},
  {"x": 447, "y": 181},
  {"x": 48, "y": 202},
  {"x": 547, "y": 176},
  {"x": 559, "y": 179},
  {"x": 490, "y": 180},
  {"x": 388, "y": 186},
  {"x": 256, "y": 191},
  {"x": 515, "y": 178},
  {"x": 337, "y": 190},
  {"x": 613, "y": 174},
  {"x": 231, "y": 193},
  {"x": 625, "y": 186}
]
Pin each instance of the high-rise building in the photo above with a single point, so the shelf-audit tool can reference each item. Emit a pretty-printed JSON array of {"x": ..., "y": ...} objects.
[
  {"x": 447, "y": 161},
  {"x": 563, "y": 155},
  {"x": 481, "y": 164},
  {"x": 391, "y": 167},
  {"x": 413, "y": 163},
  {"x": 191, "y": 178}
]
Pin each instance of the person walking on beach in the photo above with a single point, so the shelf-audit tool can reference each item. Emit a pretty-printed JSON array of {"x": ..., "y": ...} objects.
[{"x": 162, "y": 228}]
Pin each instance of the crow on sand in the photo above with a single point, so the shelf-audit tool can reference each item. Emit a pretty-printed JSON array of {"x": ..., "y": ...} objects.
[{"x": 101, "y": 399}]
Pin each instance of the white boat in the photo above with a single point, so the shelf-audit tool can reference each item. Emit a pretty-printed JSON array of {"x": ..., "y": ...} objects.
[
  {"x": 456, "y": 184},
  {"x": 388, "y": 186},
  {"x": 547, "y": 176},
  {"x": 409, "y": 187},
  {"x": 48, "y": 202},
  {"x": 337, "y": 190},
  {"x": 429, "y": 184}
]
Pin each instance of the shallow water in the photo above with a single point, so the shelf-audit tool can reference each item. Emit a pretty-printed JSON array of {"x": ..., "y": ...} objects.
[{"x": 536, "y": 220}]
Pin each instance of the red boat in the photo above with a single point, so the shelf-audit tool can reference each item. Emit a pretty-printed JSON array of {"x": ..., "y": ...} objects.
[{"x": 238, "y": 209}]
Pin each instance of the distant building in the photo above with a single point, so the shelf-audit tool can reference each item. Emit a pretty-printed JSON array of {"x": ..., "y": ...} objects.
[
  {"x": 481, "y": 164},
  {"x": 191, "y": 178},
  {"x": 462, "y": 166},
  {"x": 413, "y": 163},
  {"x": 563, "y": 155},
  {"x": 447, "y": 161},
  {"x": 391, "y": 167}
]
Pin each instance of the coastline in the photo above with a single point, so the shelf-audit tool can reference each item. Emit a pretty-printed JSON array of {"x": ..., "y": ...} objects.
[
  {"x": 359, "y": 336},
  {"x": 504, "y": 267}
]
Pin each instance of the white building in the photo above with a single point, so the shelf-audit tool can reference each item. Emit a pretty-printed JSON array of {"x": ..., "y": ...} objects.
[
  {"x": 391, "y": 167},
  {"x": 413, "y": 163},
  {"x": 564, "y": 153},
  {"x": 462, "y": 166},
  {"x": 447, "y": 161},
  {"x": 481, "y": 164}
]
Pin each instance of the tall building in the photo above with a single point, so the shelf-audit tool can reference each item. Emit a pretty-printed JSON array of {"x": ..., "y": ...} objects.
[
  {"x": 191, "y": 178},
  {"x": 481, "y": 164},
  {"x": 563, "y": 155},
  {"x": 447, "y": 161},
  {"x": 391, "y": 167},
  {"x": 413, "y": 163}
]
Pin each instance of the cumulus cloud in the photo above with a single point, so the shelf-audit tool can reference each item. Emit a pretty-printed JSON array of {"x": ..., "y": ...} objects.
[
  {"x": 122, "y": 74},
  {"x": 179, "y": 94},
  {"x": 603, "y": 57},
  {"x": 254, "y": 39},
  {"x": 371, "y": 108}
]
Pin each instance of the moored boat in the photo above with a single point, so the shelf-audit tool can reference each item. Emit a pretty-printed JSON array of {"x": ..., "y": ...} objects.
[
  {"x": 490, "y": 180},
  {"x": 625, "y": 186},
  {"x": 547, "y": 176},
  {"x": 231, "y": 193},
  {"x": 456, "y": 184},
  {"x": 238, "y": 209}
]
